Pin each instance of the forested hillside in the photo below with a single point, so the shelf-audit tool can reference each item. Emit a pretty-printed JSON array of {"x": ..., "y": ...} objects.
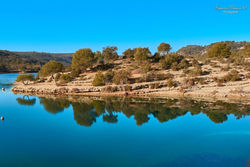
[{"x": 29, "y": 61}]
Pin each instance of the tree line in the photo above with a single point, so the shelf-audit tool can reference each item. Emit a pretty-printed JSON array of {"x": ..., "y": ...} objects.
[{"x": 86, "y": 60}]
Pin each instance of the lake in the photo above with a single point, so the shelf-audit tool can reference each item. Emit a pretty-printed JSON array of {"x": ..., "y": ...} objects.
[{"x": 120, "y": 132}]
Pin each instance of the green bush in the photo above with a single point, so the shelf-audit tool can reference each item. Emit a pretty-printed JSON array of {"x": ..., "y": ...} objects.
[
  {"x": 145, "y": 67},
  {"x": 184, "y": 64},
  {"x": 51, "y": 68},
  {"x": 219, "y": 50},
  {"x": 121, "y": 77},
  {"x": 109, "y": 75},
  {"x": 25, "y": 77},
  {"x": 75, "y": 73},
  {"x": 196, "y": 71},
  {"x": 142, "y": 54},
  {"x": 169, "y": 59},
  {"x": 99, "y": 79},
  {"x": 83, "y": 59},
  {"x": 173, "y": 61},
  {"x": 65, "y": 78},
  {"x": 174, "y": 66}
]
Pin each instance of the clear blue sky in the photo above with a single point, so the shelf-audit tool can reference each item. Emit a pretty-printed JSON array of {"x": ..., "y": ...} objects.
[{"x": 67, "y": 25}]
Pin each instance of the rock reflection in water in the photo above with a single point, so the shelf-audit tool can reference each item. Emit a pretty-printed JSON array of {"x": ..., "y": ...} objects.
[{"x": 88, "y": 109}]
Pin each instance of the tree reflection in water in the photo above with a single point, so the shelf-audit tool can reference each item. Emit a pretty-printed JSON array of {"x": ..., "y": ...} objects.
[
  {"x": 26, "y": 101},
  {"x": 87, "y": 110},
  {"x": 54, "y": 105}
]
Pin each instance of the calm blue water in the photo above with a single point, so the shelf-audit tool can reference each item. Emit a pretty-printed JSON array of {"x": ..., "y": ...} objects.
[{"x": 121, "y": 132}]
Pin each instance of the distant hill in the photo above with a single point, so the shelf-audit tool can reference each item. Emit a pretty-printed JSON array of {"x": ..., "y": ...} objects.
[
  {"x": 29, "y": 61},
  {"x": 194, "y": 50},
  {"x": 43, "y": 57}
]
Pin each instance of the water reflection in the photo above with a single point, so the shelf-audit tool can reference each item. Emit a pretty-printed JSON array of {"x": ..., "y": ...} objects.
[
  {"x": 54, "y": 106},
  {"x": 26, "y": 101},
  {"x": 87, "y": 110}
]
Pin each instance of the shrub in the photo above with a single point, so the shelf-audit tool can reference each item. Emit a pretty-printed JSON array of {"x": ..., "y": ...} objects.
[
  {"x": 129, "y": 53},
  {"x": 109, "y": 75},
  {"x": 156, "y": 58},
  {"x": 169, "y": 59},
  {"x": 196, "y": 71},
  {"x": 75, "y": 73},
  {"x": 142, "y": 54},
  {"x": 121, "y": 77},
  {"x": 82, "y": 59},
  {"x": 246, "y": 66},
  {"x": 109, "y": 54},
  {"x": 99, "y": 79},
  {"x": 219, "y": 50},
  {"x": 184, "y": 64},
  {"x": 145, "y": 67},
  {"x": 50, "y": 68},
  {"x": 174, "y": 66},
  {"x": 239, "y": 61},
  {"x": 25, "y": 77},
  {"x": 65, "y": 78}
]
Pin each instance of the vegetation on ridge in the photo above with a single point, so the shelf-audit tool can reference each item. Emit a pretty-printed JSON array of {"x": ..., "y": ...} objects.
[{"x": 160, "y": 69}]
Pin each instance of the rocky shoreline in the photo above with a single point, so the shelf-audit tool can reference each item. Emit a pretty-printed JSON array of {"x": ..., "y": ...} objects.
[{"x": 230, "y": 93}]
